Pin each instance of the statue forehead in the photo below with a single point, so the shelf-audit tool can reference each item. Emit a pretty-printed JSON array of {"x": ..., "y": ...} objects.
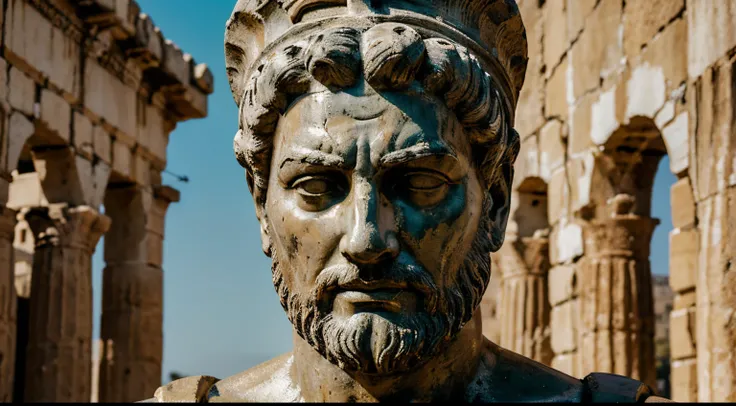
[{"x": 333, "y": 122}]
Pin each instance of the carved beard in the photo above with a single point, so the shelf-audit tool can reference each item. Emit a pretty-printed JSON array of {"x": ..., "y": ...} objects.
[{"x": 372, "y": 343}]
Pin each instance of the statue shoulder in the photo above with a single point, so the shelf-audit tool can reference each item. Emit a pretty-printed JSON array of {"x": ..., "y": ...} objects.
[
  {"x": 612, "y": 388},
  {"x": 192, "y": 389},
  {"x": 268, "y": 381},
  {"x": 506, "y": 376}
]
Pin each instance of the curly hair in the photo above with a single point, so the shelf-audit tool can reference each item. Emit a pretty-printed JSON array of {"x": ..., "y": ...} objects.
[{"x": 389, "y": 57}]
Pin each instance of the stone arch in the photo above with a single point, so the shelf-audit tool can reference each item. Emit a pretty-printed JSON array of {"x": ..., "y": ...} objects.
[{"x": 616, "y": 330}]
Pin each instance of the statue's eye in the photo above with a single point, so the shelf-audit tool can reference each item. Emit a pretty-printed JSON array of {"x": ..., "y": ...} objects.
[
  {"x": 312, "y": 186},
  {"x": 423, "y": 189},
  {"x": 319, "y": 192},
  {"x": 424, "y": 182}
]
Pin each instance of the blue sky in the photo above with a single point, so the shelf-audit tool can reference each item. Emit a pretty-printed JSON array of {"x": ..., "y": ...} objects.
[{"x": 221, "y": 314}]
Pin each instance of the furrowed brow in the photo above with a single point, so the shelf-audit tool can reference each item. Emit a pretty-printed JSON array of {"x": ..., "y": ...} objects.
[
  {"x": 314, "y": 157},
  {"x": 418, "y": 151}
]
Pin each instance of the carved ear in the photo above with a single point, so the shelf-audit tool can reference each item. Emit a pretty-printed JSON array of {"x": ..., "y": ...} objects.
[{"x": 500, "y": 204}]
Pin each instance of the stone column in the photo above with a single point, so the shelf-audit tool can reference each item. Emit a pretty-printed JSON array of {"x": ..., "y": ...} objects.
[
  {"x": 59, "y": 345},
  {"x": 132, "y": 293},
  {"x": 7, "y": 304},
  {"x": 617, "y": 328},
  {"x": 524, "y": 307}
]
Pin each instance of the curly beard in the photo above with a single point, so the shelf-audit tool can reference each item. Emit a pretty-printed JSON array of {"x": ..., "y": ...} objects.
[{"x": 380, "y": 344}]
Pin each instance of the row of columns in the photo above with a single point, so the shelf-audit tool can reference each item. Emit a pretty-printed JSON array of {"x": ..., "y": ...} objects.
[
  {"x": 58, "y": 365},
  {"x": 612, "y": 316}
]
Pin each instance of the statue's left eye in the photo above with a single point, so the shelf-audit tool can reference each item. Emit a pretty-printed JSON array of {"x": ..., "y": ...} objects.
[
  {"x": 424, "y": 182},
  {"x": 422, "y": 188}
]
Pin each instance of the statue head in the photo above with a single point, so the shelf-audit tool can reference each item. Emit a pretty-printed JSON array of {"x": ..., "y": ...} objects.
[{"x": 378, "y": 145}]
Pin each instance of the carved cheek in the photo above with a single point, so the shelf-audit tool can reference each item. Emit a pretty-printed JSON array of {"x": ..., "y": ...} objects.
[
  {"x": 431, "y": 232},
  {"x": 306, "y": 240}
]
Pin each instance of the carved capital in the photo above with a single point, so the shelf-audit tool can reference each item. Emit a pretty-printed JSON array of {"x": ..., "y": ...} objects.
[
  {"x": 622, "y": 235},
  {"x": 59, "y": 225}
]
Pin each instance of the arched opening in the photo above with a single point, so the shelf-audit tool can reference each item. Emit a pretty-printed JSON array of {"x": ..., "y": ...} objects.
[{"x": 624, "y": 273}]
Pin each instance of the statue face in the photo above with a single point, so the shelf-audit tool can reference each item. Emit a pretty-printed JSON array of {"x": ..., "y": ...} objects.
[{"x": 374, "y": 219}]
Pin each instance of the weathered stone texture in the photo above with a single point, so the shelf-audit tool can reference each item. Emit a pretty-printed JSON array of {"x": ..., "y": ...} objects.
[
  {"x": 712, "y": 33},
  {"x": 657, "y": 73},
  {"x": 109, "y": 98},
  {"x": 644, "y": 18},
  {"x": 562, "y": 284},
  {"x": 682, "y": 339},
  {"x": 551, "y": 149},
  {"x": 684, "y": 380},
  {"x": 616, "y": 298},
  {"x": 55, "y": 114},
  {"x": 713, "y": 146},
  {"x": 59, "y": 350},
  {"x": 597, "y": 52},
  {"x": 577, "y": 13},
  {"x": 524, "y": 324},
  {"x": 555, "y": 33},
  {"x": 7, "y": 305},
  {"x": 555, "y": 101},
  {"x": 683, "y": 204},
  {"x": 683, "y": 259},
  {"x": 132, "y": 291},
  {"x": 83, "y": 135},
  {"x": 25, "y": 29},
  {"x": 22, "y": 94},
  {"x": 716, "y": 300},
  {"x": 74, "y": 102},
  {"x": 667, "y": 49}
]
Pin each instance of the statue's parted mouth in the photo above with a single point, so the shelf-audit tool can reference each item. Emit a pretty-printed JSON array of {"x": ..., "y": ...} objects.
[{"x": 352, "y": 301}]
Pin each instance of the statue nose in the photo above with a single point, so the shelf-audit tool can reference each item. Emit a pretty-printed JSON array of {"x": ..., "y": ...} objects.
[{"x": 367, "y": 241}]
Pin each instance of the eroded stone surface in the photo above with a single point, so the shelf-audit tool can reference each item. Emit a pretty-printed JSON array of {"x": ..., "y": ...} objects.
[{"x": 72, "y": 81}]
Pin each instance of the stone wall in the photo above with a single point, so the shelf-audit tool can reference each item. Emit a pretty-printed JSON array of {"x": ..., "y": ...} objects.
[
  {"x": 612, "y": 86},
  {"x": 89, "y": 93}
]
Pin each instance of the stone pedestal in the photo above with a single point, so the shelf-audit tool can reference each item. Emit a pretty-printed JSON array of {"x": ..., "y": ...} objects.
[
  {"x": 132, "y": 294},
  {"x": 524, "y": 308},
  {"x": 59, "y": 356},
  {"x": 617, "y": 328},
  {"x": 7, "y": 304}
]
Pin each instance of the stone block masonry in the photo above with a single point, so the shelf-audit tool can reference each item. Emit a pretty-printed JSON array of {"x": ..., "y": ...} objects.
[
  {"x": 612, "y": 86},
  {"x": 89, "y": 94}
]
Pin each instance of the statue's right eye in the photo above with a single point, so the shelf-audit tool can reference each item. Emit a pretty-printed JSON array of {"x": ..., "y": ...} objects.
[
  {"x": 318, "y": 192},
  {"x": 312, "y": 186}
]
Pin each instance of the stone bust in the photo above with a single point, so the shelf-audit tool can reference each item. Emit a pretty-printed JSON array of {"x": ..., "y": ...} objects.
[{"x": 378, "y": 144}]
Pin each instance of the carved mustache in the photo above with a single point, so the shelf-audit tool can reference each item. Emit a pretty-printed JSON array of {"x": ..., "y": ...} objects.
[{"x": 396, "y": 276}]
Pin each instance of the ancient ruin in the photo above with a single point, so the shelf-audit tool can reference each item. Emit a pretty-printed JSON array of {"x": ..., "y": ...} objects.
[
  {"x": 89, "y": 93},
  {"x": 611, "y": 87}
]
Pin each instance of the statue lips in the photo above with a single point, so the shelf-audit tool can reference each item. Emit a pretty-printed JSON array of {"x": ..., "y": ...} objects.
[
  {"x": 374, "y": 298},
  {"x": 341, "y": 289}
]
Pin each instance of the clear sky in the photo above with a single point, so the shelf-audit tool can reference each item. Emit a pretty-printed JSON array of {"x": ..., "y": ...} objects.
[{"x": 221, "y": 314}]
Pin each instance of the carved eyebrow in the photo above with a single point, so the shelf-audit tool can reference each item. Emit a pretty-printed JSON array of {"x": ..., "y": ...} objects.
[
  {"x": 314, "y": 157},
  {"x": 418, "y": 151}
]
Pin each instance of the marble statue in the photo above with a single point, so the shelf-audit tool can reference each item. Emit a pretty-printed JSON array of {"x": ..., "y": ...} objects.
[{"x": 378, "y": 144}]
